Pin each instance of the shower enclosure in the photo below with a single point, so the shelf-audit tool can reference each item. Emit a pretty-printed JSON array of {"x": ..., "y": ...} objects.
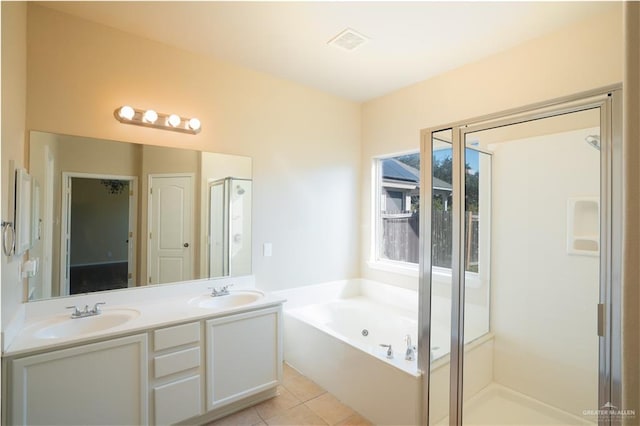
[{"x": 530, "y": 293}]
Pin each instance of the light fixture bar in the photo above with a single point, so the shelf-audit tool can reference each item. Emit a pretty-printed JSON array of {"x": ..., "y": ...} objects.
[{"x": 157, "y": 120}]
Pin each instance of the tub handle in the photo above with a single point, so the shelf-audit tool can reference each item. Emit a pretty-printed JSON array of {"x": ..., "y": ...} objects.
[
  {"x": 389, "y": 350},
  {"x": 411, "y": 349}
]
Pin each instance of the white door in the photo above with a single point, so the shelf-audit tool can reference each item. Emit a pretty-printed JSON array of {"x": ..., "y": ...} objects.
[{"x": 170, "y": 228}]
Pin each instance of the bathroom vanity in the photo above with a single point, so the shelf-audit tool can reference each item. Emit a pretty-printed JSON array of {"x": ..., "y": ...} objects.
[{"x": 182, "y": 355}]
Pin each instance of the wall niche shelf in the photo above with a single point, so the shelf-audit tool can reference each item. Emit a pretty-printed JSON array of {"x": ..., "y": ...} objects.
[{"x": 583, "y": 226}]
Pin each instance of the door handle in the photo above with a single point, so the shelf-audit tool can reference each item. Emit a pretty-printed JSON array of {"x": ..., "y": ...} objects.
[{"x": 185, "y": 245}]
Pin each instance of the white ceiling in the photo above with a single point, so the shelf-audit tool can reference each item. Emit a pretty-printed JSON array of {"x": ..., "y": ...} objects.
[{"x": 409, "y": 41}]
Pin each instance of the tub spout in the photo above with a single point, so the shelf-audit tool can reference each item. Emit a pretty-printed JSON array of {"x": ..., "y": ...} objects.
[{"x": 410, "y": 355}]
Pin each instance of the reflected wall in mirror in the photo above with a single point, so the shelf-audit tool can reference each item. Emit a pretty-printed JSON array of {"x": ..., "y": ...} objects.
[{"x": 118, "y": 215}]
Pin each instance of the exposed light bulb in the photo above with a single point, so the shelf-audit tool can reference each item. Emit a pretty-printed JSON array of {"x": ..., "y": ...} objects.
[
  {"x": 150, "y": 116},
  {"x": 126, "y": 112},
  {"x": 194, "y": 124},
  {"x": 174, "y": 120}
]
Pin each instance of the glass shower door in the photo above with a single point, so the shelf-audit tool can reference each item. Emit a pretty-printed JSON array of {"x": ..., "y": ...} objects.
[
  {"x": 529, "y": 295},
  {"x": 439, "y": 272},
  {"x": 539, "y": 363}
]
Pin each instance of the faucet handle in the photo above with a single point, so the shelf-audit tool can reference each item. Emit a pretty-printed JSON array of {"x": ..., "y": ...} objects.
[
  {"x": 407, "y": 339},
  {"x": 389, "y": 350},
  {"x": 76, "y": 311},
  {"x": 96, "y": 307}
]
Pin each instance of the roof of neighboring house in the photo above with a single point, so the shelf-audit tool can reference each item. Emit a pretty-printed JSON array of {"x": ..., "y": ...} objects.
[
  {"x": 440, "y": 184},
  {"x": 393, "y": 169}
]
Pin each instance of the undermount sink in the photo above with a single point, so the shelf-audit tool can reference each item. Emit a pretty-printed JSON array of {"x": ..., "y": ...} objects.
[
  {"x": 65, "y": 326},
  {"x": 232, "y": 300}
]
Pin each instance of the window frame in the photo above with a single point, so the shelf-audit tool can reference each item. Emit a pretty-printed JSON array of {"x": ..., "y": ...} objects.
[{"x": 376, "y": 261}]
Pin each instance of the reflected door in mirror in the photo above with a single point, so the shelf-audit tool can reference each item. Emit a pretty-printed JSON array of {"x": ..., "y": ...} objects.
[{"x": 170, "y": 221}]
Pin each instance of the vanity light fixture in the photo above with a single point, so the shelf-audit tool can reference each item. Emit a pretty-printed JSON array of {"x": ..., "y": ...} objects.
[{"x": 150, "y": 118}]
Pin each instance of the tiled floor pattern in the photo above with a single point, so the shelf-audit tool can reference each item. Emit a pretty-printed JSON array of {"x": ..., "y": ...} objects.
[{"x": 299, "y": 402}]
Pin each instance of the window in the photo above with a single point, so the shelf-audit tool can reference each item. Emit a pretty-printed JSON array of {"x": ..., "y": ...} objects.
[{"x": 398, "y": 211}]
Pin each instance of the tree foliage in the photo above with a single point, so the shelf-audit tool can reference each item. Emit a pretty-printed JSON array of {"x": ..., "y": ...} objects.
[{"x": 443, "y": 170}]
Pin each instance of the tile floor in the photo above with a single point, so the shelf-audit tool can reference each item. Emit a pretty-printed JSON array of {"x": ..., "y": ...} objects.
[{"x": 299, "y": 402}]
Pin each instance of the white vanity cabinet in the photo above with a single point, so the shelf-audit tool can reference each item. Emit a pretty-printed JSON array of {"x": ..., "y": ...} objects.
[
  {"x": 244, "y": 355},
  {"x": 99, "y": 383},
  {"x": 192, "y": 372}
]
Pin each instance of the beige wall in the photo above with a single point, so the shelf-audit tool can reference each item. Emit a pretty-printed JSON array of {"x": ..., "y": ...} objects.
[
  {"x": 305, "y": 144},
  {"x": 84, "y": 155},
  {"x": 14, "y": 92},
  {"x": 580, "y": 57}
]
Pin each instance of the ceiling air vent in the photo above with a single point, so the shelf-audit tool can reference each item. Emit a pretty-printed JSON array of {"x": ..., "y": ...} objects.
[{"x": 348, "y": 40}]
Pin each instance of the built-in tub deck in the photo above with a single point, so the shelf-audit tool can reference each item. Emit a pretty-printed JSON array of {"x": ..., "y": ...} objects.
[{"x": 333, "y": 334}]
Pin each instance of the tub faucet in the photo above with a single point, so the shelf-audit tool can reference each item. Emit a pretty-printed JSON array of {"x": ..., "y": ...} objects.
[
  {"x": 410, "y": 355},
  {"x": 389, "y": 350}
]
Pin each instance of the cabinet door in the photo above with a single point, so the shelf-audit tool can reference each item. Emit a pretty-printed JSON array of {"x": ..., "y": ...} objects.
[
  {"x": 101, "y": 383},
  {"x": 243, "y": 355}
]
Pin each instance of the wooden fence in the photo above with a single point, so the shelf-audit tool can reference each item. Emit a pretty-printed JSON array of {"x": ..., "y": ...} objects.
[{"x": 401, "y": 239}]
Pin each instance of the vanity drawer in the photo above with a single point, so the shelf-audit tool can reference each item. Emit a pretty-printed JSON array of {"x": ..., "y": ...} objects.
[
  {"x": 177, "y": 361},
  {"x": 178, "y": 401},
  {"x": 176, "y": 336}
]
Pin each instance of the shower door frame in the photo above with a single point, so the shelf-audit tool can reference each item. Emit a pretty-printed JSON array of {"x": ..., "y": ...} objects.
[{"x": 609, "y": 101}]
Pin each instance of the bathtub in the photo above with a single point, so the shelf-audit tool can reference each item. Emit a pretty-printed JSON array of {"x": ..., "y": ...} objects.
[{"x": 333, "y": 332}]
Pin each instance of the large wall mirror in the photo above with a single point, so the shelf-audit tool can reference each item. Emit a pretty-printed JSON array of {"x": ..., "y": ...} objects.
[{"x": 118, "y": 215}]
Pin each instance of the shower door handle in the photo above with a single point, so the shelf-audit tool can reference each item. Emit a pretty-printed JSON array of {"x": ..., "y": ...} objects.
[{"x": 601, "y": 319}]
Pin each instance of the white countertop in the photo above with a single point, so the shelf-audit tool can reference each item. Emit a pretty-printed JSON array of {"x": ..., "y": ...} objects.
[{"x": 158, "y": 307}]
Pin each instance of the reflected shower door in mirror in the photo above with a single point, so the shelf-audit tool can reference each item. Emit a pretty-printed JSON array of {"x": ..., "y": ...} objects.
[
  {"x": 119, "y": 215},
  {"x": 229, "y": 227}
]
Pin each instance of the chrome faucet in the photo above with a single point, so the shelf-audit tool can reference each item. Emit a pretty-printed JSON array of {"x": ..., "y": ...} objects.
[
  {"x": 222, "y": 291},
  {"x": 410, "y": 355},
  {"x": 86, "y": 312},
  {"x": 389, "y": 350}
]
